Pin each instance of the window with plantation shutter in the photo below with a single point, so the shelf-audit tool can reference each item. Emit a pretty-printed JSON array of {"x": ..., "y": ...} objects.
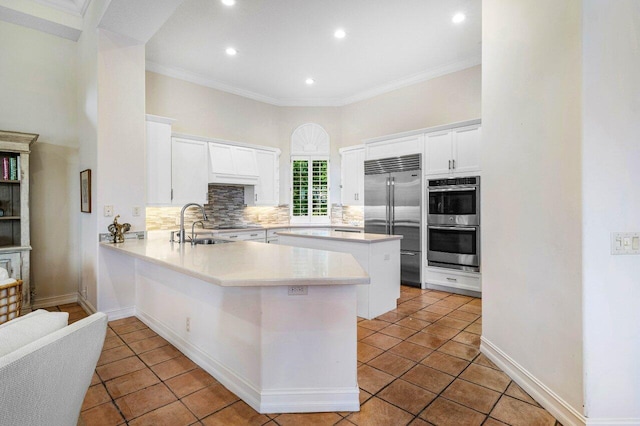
[
  {"x": 310, "y": 190},
  {"x": 310, "y": 153}
]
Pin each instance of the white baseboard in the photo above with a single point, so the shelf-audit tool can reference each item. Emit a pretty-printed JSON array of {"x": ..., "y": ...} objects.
[
  {"x": 555, "y": 405},
  {"x": 86, "y": 305},
  {"x": 46, "y": 302},
  {"x": 613, "y": 422},
  {"x": 121, "y": 313},
  {"x": 281, "y": 401}
]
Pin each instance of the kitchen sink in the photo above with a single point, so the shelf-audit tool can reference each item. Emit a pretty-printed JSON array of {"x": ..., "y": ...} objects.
[{"x": 209, "y": 240}]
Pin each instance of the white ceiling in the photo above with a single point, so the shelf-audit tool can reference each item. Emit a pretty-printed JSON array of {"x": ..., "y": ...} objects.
[{"x": 389, "y": 44}]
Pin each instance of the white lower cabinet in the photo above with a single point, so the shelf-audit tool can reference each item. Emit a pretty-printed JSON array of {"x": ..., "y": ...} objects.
[
  {"x": 452, "y": 279},
  {"x": 272, "y": 235},
  {"x": 257, "y": 235}
]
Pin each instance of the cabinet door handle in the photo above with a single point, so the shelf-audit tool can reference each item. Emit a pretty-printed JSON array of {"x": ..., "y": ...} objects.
[
  {"x": 451, "y": 279},
  {"x": 453, "y": 162},
  {"x": 449, "y": 164},
  {"x": 256, "y": 197}
]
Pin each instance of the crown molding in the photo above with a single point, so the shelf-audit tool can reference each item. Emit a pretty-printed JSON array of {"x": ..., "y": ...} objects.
[
  {"x": 414, "y": 79},
  {"x": 191, "y": 77},
  {"x": 185, "y": 75},
  {"x": 74, "y": 7},
  {"x": 69, "y": 29}
]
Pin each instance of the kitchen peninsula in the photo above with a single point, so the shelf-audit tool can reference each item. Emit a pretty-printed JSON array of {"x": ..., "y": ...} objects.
[
  {"x": 378, "y": 254},
  {"x": 274, "y": 324}
]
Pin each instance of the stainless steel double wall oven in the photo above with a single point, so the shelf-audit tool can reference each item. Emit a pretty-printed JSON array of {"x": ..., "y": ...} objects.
[{"x": 453, "y": 223}]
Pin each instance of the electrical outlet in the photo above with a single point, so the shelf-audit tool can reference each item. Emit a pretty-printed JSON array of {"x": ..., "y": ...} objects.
[
  {"x": 297, "y": 290},
  {"x": 135, "y": 211},
  {"x": 188, "y": 324},
  {"x": 108, "y": 211}
]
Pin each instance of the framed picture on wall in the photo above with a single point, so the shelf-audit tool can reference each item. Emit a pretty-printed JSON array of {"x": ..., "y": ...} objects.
[{"x": 85, "y": 191}]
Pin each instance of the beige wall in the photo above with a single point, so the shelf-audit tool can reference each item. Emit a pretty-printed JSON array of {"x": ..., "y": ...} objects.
[
  {"x": 38, "y": 86},
  {"x": 442, "y": 100},
  {"x": 611, "y": 202},
  {"x": 203, "y": 111},
  {"x": 207, "y": 112},
  {"x": 531, "y": 190}
]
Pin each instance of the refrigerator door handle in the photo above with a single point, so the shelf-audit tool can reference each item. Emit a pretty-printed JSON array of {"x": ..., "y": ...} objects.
[
  {"x": 387, "y": 208},
  {"x": 392, "y": 206}
]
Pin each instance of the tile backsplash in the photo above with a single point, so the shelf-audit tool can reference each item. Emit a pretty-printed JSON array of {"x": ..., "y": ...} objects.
[{"x": 226, "y": 207}]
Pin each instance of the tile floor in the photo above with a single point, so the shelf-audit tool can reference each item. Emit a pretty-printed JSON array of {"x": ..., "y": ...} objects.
[{"x": 417, "y": 365}]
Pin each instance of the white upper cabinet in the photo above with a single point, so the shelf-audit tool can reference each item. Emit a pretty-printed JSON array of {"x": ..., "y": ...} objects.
[
  {"x": 352, "y": 176},
  {"x": 453, "y": 152},
  {"x": 267, "y": 190},
  {"x": 395, "y": 147},
  {"x": 229, "y": 164},
  {"x": 158, "y": 160},
  {"x": 466, "y": 149},
  {"x": 189, "y": 171},
  {"x": 438, "y": 153}
]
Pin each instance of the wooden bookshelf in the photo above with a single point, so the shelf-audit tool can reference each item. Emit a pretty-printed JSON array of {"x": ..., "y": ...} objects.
[{"x": 15, "y": 238}]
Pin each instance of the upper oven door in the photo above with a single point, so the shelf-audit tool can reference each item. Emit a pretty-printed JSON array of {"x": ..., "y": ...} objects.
[{"x": 454, "y": 205}]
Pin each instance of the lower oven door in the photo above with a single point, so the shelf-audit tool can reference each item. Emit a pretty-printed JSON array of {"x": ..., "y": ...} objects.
[{"x": 456, "y": 247}]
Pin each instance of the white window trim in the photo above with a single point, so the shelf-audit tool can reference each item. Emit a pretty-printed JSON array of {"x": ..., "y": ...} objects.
[{"x": 310, "y": 219}]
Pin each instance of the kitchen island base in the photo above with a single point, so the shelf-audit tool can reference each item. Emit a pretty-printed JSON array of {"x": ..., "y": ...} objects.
[
  {"x": 377, "y": 254},
  {"x": 277, "y": 352}
]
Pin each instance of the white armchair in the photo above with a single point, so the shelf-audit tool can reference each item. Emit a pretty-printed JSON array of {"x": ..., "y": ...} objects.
[{"x": 45, "y": 381}]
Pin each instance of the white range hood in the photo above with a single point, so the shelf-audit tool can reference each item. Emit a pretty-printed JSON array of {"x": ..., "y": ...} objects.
[{"x": 232, "y": 165}]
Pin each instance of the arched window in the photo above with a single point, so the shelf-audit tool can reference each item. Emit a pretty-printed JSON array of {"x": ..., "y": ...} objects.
[{"x": 310, "y": 149}]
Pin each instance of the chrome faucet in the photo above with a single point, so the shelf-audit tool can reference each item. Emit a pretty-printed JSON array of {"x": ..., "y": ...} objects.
[
  {"x": 182, "y": 234},
  {"x": 193, "y": 230}
]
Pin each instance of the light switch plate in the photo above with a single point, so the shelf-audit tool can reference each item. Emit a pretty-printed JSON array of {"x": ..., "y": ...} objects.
[{"x": 625, "y": 243}]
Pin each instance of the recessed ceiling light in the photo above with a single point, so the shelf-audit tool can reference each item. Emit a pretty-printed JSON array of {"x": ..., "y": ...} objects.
[
  {"x": 231, "y": 51},
  {"x": 339, "y": 33},
  {"x": 309, "y": 81},
  {"x": 458, "y": 17},
  {"x": 228, "y": 2}
]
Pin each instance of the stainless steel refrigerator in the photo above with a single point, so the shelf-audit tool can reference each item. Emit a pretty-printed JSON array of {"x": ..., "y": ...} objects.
[{"x": 393, "y": 206}]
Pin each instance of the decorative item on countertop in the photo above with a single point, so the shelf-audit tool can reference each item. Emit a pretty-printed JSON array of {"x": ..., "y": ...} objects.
[{"x": 117, "y": 230}]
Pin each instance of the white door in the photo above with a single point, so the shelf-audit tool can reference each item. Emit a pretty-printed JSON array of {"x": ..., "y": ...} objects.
[
  {"x": 158, "y": 163},
  {"x": 266, "y": 191},
  {"x": 439, "y": 153},
  {"x": 189, "y": 171},
  {"x": 466, "y": 146}
]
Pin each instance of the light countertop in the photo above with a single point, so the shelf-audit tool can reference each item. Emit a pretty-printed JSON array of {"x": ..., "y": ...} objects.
[
  {"x": 248, "y": 228},
  {"x": 352, "y": 237},
  {"x": 247, "y": 264}
]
